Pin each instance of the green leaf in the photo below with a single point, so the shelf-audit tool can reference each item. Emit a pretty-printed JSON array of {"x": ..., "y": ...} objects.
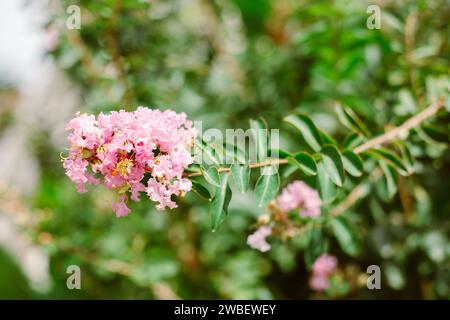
[
  {"x": 304, "y": 162},
  {"x": 194, "y": 167},
  {"x": 201, "y": 190},
  {"x": 307, "y": 128},
  {"x": 260, "y": 138},
  {"x": 219, "y": 205},
  {"x": 390, "y": 158},
  {"x": 317, "y": 244},
  {"x": 349, "y": 119},
  {"x": 288, "y": 170},
  {"x": 241, "y": 175},
  {"x": 326, "y": 138},
  {"x": 234, "y": 154},
  {"x": 352, "y": 163},
  {"x": 212, "y": 176},
  {"x": 390, "y": 180},
  {"x": 326, "y": 188},
  {"x": 425, "y": 137},
  {"x": 218, "y": 151},
  {"x": 436, "y": 133},
  {"x": 352, "y": 140},
  {"x": 208, "y": 154},
  {"x": 266, "y": 188},
  {"x": 333, "y": 165},
  {"x": 345, "y": 236},
  {"x": 406, "y": 156},
  {"x": 282, "y": 154}
]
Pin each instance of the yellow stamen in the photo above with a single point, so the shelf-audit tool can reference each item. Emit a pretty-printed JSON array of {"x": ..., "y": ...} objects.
[{"x": 124, "y": 166}]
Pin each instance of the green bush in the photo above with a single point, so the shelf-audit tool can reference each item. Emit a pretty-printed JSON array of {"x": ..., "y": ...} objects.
[{"x": 291, "y": 63}]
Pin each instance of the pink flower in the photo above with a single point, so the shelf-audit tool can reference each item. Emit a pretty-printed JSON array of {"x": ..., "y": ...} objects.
[
  {"x": 319, "y": 283},
  {"x": 324, "y": 265},
  {"x": 121, "y": 149},
  {"x": 322, "y": 269},
  {"x": 76, "y": 171},
  {"x": 299, "y": 196},
  {"x": 257, "y": 240},
  {"x": 121, "y": 208}
]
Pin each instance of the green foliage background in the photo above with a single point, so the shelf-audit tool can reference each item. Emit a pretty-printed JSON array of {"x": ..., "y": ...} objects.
[{"x": 224, "y": 62}]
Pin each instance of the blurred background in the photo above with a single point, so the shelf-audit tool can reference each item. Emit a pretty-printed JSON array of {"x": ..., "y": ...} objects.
[{"x": 222, "y": 62}]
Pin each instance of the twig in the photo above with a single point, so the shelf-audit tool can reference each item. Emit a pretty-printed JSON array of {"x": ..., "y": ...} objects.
[
  {"x": 405, "y": 127},
  {"x": 410, "y": 29},
  {"x": 382, "y": 139},
  {"x": 252, "y": 166},
  {"x": 405, "y": 198},
  {"x": 357, "y": 193}
]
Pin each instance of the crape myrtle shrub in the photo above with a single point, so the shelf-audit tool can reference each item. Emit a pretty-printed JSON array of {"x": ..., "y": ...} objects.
[{"x": 339, "y": 202}]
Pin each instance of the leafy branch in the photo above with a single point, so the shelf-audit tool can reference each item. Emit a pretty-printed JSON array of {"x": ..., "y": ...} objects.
[
  {"x": 377, "y": 141},
  {"x": 328, "y": 163}
]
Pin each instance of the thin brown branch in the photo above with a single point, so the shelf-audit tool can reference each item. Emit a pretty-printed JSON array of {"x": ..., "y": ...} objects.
[
  {"x": 404, "y": 128},
  {"x": 375, "y": 142},
  {"x": 357, "y": 193},
  {"x": 406, "y": 200},
  {"x": 266, "y": 163},
  {"x": 410, "y": 30}
]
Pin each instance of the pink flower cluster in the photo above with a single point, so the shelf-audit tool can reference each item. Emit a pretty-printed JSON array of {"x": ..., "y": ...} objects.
[
  {"x": 322, "y": 269},
  {"x": 258, "y": 241},
  {"x": 299, "y": 196},
  {"x": 121, "y": 148}
]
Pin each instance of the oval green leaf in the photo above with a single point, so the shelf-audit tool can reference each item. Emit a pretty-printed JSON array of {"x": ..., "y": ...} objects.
[
  {"x": 304, "y": 162},
  {"x": 352, "y": 163},
  {"x": 219, "y": 205},
  {"x": 390, "y": 158},
  {"x": 234, "y": 154},
  {"x": 326, "y": 138},
  {"x": 241, "y": 176},
  {"x": 390, "y": 180},
  {"x": 333, "y": 165},
  {"x": 260, "y": 138},
  {"x": 201, "y": 190},
  {"x": 212, "y": 176},
  {"x": 208, "y": 154},
  {"x": 349, "y": 119},
  {"x": 352, "y": 140},
  {"x": 279, "y": 153},
  {"x": 307, "y": 128},
  {"x": 345, "y": 236},
  {"x": 327, "y": 189},
  {"x": 266, "y": 188}
]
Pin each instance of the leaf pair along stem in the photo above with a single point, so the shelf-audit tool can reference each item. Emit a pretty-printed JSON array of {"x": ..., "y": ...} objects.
[{"x": 409, "y": 124}]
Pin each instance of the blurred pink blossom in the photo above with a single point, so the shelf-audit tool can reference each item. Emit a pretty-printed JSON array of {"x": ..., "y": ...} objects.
[
  {"x": 258, "y": 241},
  {"x": 299, "y": 196},
  {"x": 324, "y": 265},
  {"x": 319, "y": 283},
  {"x": 322, "y": 269}
]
